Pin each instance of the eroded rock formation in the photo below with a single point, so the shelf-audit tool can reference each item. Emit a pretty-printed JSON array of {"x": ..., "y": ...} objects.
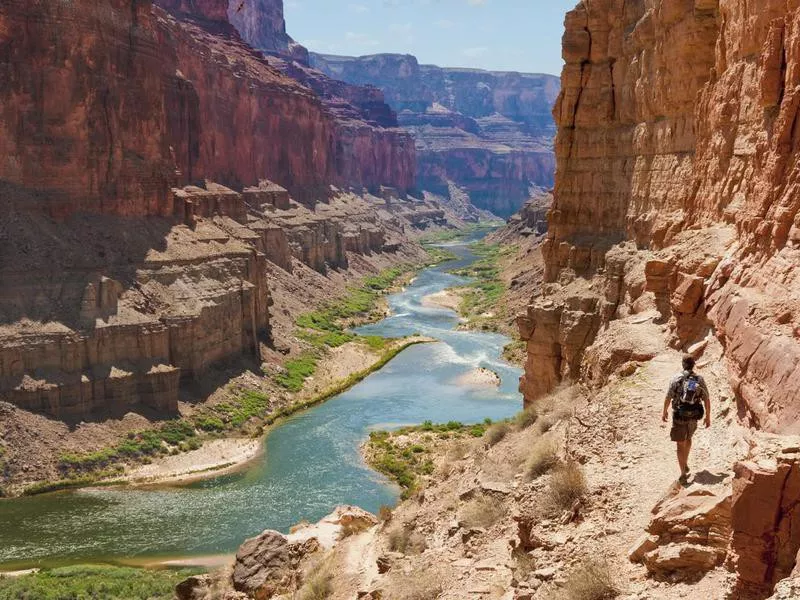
[
  {"x": 676, "y": 193},
  {"x": 139, "y": 144},
  {"x": 488, "y": 132}
]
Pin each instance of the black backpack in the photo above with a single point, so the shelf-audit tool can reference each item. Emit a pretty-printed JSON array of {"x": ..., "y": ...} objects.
[{"x": 688, "y": 399}]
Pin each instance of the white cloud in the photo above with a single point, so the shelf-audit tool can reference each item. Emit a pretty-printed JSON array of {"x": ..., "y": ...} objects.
[
  {"x": 360, "y": 39},
  {"x": 475, "y": 52},
  {"x": 444, "y": 24},
  {"x": 358, "y": 8},
  {"x": 476, "y": 2}
]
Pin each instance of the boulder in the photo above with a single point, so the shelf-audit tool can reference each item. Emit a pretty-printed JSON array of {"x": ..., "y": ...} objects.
[
  {"x": 766, "y": 515},
  {"x": 689, "y": 533},
  {"x": 268, "y": 564}
]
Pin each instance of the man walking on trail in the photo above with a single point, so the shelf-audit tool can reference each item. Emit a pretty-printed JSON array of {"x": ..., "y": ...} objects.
[{"x": 690, "y": 402}]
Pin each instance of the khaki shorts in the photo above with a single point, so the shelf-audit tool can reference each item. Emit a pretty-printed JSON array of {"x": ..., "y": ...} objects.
[{"x": 682, "y": 430}]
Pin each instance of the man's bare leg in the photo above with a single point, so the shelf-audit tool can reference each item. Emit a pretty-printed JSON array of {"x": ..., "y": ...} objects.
[{"x": 684, "y": 448}]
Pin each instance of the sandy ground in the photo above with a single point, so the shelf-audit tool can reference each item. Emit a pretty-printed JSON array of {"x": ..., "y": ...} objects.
[
  {"x": 479, "y": 377},
  {"x": 212, "y": 459},
  {"x": 221, "y": 456},
  {"x": 445, "y": 299}
]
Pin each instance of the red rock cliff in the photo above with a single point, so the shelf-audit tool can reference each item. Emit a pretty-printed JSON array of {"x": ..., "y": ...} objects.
[
  {"x": 676, "y": 193},
  {"x": 676, "y": 138},
  {"x": 82, "y": 107},
  {"x": 489, "y": 132},
  {"x": 262, "y": 25}
]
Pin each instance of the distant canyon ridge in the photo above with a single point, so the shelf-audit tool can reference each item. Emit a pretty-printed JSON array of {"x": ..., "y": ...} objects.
[{"x": 486, "y": 134}]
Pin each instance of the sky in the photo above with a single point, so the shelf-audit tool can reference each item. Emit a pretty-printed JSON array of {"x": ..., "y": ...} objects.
[{"x": 507, "y": 35}]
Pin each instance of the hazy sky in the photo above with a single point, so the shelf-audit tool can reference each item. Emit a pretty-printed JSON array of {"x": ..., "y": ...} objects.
[{"x": 517, "y": 35}]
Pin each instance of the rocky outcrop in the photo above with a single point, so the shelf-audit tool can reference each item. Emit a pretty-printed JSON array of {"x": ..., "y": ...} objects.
[
  {"x": 488, "y": 132},
  {"x": 262, "y": 25},
  {"x": 268, "y": 565},
  {"x": 647, "y": 89},
  {"x": 766, "y": 516},
  {"x": 675, "y": 193},
  {"x": 689, "y": 534}
]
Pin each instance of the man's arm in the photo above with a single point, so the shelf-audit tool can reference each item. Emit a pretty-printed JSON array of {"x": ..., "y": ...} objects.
[
  {"x": 706, "y": 401},
  {"x": 667, "y": 402}
]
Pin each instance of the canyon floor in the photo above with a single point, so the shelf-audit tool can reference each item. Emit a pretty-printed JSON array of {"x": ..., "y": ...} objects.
[{"x": 471, "y": 510}]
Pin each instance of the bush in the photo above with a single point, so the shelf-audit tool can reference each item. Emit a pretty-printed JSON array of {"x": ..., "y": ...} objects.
[
  {"x": 496, "y": 433},
  {"x": 318, "y": 587},
  {"x": 592, "y": 580},
  {"x": 406, "y": 541},
  {"x": 296, "y": 372},
  {"x": 527, "y": 417},
  {"x": 543, "y": 458},
  {"x": 482, "y": 512},
  {"x": 426, "y": 585},
  {"x": 567, "y": 484},
  {"x": 384, "y": 513},
  {"x": 93, "y": 582}
]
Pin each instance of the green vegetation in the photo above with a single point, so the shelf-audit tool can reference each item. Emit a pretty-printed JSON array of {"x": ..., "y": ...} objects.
[
  {"x": 450, "y": 235},
  {"x": 482, "y": 295},
  {"x": 136, "y": 446},
  {"x": 406, "y": 464},
  {"x": 325, "y": 327},
  {"x": 249, "y": 404},
  {"x": 89, "y": 582},
  {"x": 296, "y": 372},
  {"x": 439, "y": 255}
]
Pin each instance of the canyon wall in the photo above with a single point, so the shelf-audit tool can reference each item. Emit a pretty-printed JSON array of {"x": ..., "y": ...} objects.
[
  {"x": 490, "y": 133},
  {"x": 82, "y": 107},
  {"x": 262, "y": 25},
  {"x": 137, "y": 145},
  {"x": 676, "y": 198}
]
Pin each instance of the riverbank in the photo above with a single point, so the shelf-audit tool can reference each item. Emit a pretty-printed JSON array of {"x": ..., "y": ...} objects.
[{"x": 140, "y": 447}]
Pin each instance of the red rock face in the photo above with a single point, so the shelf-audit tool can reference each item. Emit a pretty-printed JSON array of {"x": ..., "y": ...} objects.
[
  {"x": 261, "y": 25},
  {"x": 490, "y": 133},
  {"x": 82, "y": 107},
  {"x": 236, "y": 120},
  {"x": 672, "y": 138},
  {"x": 676, "y": 189}
]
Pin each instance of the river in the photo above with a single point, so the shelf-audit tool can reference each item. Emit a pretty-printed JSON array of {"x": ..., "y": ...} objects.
[{"x": 311, "y": 461}]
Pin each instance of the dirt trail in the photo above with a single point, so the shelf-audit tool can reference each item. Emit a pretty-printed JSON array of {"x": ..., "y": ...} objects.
[{"x": 629, "y": 463}]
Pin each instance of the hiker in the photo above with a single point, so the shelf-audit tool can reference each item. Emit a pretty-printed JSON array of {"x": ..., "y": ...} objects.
[{"x": 690, "y": 402}]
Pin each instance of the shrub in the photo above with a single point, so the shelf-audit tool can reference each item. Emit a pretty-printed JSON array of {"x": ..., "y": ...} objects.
[
  {"x": 524, "y": 565},
  {"x": 94, "y": 582},
  {"x": 209, "y": 423},
  {"x": 384, "y": 513},
  {"x": 482, "y": 512},
  {"x": 425, "y": 585},
  {"x": 296, "y": 372},
  {"x": 567, "y": 484},
  {"x": 527, "y": 417},
  {"x": 496, "y": 433},
  {"x": 406, "y": 541},
  {"x": 318, "y": 587},
  {"x": 592, "y": 580},
  {"x": 543, "y": 458}
]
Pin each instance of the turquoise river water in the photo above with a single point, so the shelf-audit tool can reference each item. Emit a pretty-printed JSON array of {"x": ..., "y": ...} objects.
[{"x": 311, "y": 461}]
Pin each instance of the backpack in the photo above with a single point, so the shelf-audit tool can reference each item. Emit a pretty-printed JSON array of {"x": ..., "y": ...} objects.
[{"x": 687, "y": 401}]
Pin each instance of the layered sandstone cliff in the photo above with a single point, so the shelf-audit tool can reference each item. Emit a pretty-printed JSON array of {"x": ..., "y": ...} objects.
[
  {"x": 262, "y": 25},
  {"x": 488, "y": 132},
  {"x": 675, "y": 196},
  {"x": 137, "y": 142}
]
